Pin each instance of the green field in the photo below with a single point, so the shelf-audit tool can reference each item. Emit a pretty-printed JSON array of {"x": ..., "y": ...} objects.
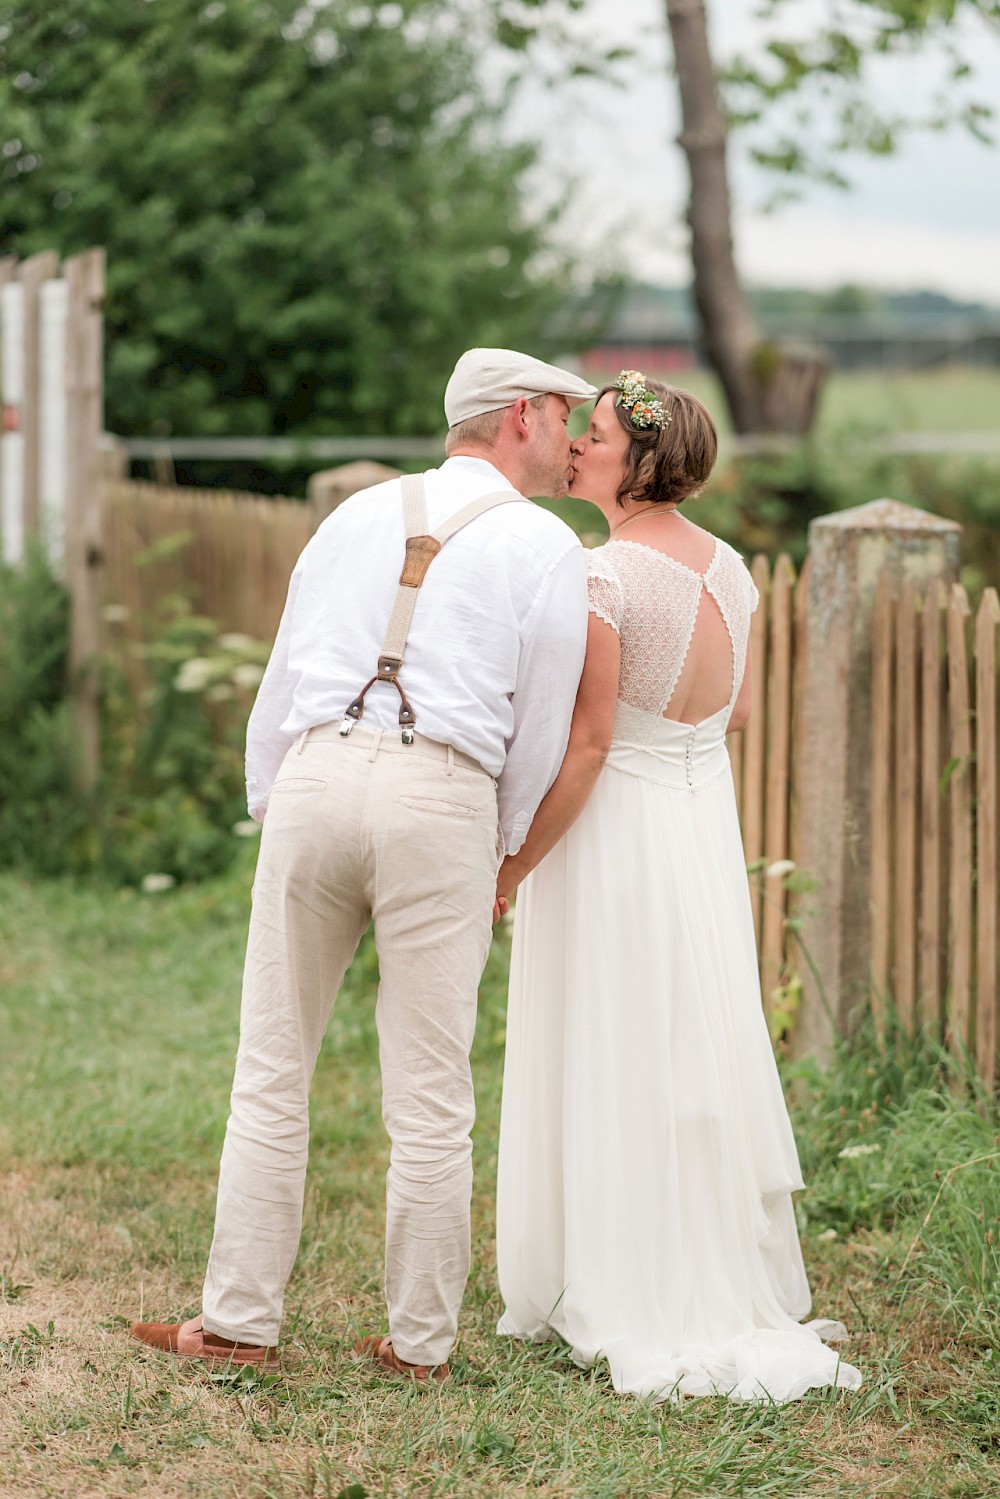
[
  {"x": 949, "y": 399},
  {"x": 119, "y": 1015}
]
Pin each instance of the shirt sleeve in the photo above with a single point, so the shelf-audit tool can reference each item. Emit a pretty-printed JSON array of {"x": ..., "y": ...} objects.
[
  {"x": 267, "y": 741},
  {"x": 604, "y": 591},
  {"x": 551, "y": 660}
]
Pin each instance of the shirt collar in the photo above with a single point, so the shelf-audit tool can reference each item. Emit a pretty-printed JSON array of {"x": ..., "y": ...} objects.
[{"x": 464, "y": 464}]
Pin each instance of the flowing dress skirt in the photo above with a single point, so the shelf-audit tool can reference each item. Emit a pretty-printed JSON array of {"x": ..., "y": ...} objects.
[{"x": 646, "y": 1158}]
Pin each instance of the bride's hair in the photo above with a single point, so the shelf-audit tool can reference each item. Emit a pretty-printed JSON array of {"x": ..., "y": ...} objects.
[{"x": 668, "y": 463}]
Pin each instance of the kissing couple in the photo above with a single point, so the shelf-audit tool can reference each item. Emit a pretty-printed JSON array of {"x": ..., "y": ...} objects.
[{"x": 461, "y": 699}]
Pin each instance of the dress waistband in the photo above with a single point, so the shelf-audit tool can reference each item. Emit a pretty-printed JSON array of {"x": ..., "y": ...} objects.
[{"x": 686, "y": 756}]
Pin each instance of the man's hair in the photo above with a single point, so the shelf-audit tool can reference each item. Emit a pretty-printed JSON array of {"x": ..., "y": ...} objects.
[
  {"x": 668, "y": 463},
  {"x": 483, "y": 429}
]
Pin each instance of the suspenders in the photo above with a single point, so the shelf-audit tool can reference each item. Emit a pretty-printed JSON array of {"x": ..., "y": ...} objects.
[{"x": 421, "y": 549}]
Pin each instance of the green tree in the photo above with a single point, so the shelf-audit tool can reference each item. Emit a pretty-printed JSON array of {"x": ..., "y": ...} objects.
[
  {"x": 306, "y": 209},
  {"x": 766, "y": 387}
]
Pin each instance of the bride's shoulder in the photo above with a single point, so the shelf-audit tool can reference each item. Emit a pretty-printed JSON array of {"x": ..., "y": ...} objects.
[
  {"x": 601, "y": 561},
  {"x": 732, "y": 566}
]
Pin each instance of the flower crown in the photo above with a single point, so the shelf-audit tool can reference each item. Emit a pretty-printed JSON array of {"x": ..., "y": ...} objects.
[{"x": 643, "y": 407}]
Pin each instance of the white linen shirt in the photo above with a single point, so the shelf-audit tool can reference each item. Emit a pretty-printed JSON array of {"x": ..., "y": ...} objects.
[{"x": 495, "y": 649}]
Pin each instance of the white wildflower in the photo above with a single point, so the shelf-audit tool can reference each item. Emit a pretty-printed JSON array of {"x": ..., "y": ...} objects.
[
  {"x": 828, "y": 1235},
  {"x": 236, "y": 642},
  {"x": 248, "y": 674},
  {"x": 851, "y": 1152},
  {"x": 152, "y": 884},
  {"x": 247, "y": 828},
  {"x": 779, "y": 869},
  {"x": 194, "y": 675}
]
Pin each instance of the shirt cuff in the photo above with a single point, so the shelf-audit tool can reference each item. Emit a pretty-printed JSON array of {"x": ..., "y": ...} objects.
[{"x": 517, "y": 833}]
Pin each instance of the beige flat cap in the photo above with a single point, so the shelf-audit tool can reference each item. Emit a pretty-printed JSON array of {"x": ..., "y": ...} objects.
[{"x": 488, "y": 379}]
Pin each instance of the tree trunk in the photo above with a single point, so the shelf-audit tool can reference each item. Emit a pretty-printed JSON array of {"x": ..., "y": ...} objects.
[{"x": 766, "y": 389}]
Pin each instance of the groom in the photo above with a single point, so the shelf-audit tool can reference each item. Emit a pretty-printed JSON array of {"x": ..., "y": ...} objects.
[{"x": 395, "y": 802}]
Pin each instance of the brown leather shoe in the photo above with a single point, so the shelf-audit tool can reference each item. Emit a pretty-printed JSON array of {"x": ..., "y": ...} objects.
[
  {"x": 189, "y": 1340},
  {"x": 381, "y": 1350}
]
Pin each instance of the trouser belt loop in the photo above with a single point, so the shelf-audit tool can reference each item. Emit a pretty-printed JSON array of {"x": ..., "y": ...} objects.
[
  {"x": 376, "y": 741},
  {"x": 301, "y": 741},
  {"x": 451, "y": 761}
]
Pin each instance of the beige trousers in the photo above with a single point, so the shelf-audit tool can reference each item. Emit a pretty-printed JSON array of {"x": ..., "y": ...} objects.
[{"x": 359, "y": 828}]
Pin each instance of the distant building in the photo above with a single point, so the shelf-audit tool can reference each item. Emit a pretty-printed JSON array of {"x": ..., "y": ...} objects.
[{"x": 654, "y": 329}]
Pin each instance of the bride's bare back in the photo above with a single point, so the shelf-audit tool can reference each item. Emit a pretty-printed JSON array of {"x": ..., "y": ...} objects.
[{"x": 681, "y": 601}]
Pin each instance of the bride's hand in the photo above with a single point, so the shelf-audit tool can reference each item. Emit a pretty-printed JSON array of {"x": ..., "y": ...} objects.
[
  {"x": 509, "y": 877},
  {"x": 500, "y": 908}
]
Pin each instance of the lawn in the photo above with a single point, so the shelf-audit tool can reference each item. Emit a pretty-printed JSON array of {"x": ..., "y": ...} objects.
[
  {"x": 118, "y": 1016},
  {"x": 948, "y": 399}
]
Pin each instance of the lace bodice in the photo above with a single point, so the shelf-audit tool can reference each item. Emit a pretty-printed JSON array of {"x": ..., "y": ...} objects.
[{"x": 652, "y": 601}]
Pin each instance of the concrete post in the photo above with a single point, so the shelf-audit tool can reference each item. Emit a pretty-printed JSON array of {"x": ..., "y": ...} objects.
[
  {"x": 849, "y": 551},
  {"x": 332, "y": 486}
]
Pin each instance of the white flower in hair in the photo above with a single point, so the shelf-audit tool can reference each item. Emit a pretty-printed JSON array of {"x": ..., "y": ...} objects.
[{"x": 643, "y": 407}]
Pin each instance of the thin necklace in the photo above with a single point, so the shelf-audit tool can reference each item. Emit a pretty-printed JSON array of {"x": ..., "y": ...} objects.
[{"x": 638, "y": 516}]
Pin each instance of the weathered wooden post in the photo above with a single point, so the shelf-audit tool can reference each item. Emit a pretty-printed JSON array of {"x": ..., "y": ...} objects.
[
  {"x": 332, "y": 486},
  {"x": 850, "y": 552},
  {"x": 85, "y": 413}
]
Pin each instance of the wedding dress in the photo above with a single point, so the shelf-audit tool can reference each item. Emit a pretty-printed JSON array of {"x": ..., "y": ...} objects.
[{"x": 647, "y": 1162}]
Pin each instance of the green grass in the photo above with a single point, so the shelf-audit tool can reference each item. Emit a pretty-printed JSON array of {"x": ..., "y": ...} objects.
[
  {"x": 118, "y": 1022},
  {"x": 950, "y": 399}
]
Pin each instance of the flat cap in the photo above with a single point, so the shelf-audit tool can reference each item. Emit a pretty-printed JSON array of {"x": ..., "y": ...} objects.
[{"x": 489, "y": 379}]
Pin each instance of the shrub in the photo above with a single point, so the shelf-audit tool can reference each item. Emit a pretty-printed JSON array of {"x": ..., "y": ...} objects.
[
  {"x": 765, "y": 503},
  {"x": 173, "y": 710},
  {"x": 42, "y": 824}
]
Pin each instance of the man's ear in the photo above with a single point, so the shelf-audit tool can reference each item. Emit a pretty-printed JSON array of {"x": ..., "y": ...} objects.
[{"x": 518, "y": 410}]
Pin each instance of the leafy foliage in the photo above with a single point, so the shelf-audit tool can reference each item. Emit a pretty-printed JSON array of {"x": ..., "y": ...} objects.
[
  {"x": 170, "y": 798},
  {"x": 765, "y": 503},
  {"x": 809, "y": 88},
  {"x": 41, "y": 823},
  {"x": 173, "y": 761},
  {"x": 307, "y": 211}
]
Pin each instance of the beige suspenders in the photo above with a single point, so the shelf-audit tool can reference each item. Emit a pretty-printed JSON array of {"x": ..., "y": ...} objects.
[{"x": 421, "y": 549}]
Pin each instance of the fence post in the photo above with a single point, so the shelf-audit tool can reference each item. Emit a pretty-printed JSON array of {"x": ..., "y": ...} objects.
[
  {"x": 33, "y": 273},
  {"x": 332, "y": 486},
  {"x": 85, "y": 420},
  {"x": 849, "y": 552}
]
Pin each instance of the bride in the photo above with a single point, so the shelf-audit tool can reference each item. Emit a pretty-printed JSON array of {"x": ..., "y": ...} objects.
[{"x": 646, "y": 1158}]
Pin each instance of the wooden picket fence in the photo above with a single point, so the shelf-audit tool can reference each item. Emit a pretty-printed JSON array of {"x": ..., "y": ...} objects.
[
  {"x": 934, "y": 816},
  {"x": 230, "y": 554},
  {"x": 765, "y": 760},
  {"x": 934, "y": 744}
]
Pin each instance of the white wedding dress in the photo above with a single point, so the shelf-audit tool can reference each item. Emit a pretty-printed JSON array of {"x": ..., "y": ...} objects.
[{"x": 647, "y": 1162}]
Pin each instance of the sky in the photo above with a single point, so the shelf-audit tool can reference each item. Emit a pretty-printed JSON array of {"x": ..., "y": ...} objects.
[{"x": 926, "y": 217}]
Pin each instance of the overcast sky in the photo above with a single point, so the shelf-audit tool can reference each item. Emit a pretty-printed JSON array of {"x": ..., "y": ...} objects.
[{"x": 928, "y": 216}]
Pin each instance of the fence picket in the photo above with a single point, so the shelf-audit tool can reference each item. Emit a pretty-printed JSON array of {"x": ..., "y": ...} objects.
[
  {"x": 755, "y": 738},
  {"x": 881, "y": 842},
  {"x": 960, "y": 821},
  {"x": 932, "y": 954},
  {"x": 779, "y": 749},
  {"x": 904, "y": 940},
  {"x": 987, "y": 624}
]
